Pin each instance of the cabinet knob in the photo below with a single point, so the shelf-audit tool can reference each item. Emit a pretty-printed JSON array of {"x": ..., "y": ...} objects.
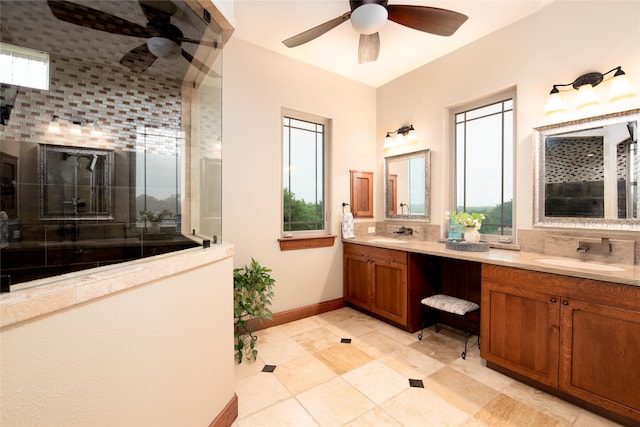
[
  {"x": 565, "y": 302},
  {"x": 553, "y": 300}
]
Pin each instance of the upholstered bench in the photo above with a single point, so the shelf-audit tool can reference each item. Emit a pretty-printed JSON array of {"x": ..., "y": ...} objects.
[{"x": 457, "y": 306}]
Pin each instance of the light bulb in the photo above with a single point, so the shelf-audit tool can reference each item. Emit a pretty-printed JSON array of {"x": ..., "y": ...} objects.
[
  {"x": 369, "y": 18},
  {"x": 388, "y": 142},
  {"x": 554, "y": 103},
  {"x": 586, "y": 96},
  {"x": 163, "y": 48},
  {"x": 619, "y": 87}
]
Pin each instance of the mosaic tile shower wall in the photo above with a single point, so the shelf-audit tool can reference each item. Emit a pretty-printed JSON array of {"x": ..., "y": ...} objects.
[{"x": 111, "y": 160}]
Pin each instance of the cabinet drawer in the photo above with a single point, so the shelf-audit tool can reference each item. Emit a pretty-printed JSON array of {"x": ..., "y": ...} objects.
[{"x": 382, "y": 254}]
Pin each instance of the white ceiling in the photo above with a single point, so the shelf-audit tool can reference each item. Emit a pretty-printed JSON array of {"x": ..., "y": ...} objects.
[{"x": 267, "y": 22}]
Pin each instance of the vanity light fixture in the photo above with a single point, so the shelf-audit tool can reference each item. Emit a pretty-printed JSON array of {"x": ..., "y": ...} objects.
[
  {"x": 401, "y": 133},
  {"x": 54, "y": 126},
  {"x": 586, "y": 95}
]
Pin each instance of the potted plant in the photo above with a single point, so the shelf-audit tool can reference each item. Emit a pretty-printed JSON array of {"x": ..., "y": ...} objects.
[
  {"x": 155, "y": 218},
  {"x": 252, "y": 294},
  {"x": 471, "y": 223}
]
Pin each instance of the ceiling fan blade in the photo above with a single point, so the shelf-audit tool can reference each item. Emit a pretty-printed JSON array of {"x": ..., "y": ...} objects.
[
  {"x": 368, "y": 48},
  {"x": 199, "y": 65},
  {"x": 95, "y": 19},
  {"x": 212, "y": 43},
  {"x": 317, "y": 31},
  {"x": 158, "y": 11},
  {"x": 441, "y": 22},
  {"x": 138, "y": 59}
]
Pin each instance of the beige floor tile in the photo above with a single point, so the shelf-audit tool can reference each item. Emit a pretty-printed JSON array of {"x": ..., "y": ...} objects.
[
  {"x": 400, "y": 335},
  {"x": 411, "y": 363},
  {"x": 377, "y": 344},
  {"x": 279, "y": 351},
  {"x": 374, "y": 418},
  {"x": 589, "y": 419},
  {"x": 337, "y": 316},
  {"x": 300, "y": 326},
  {"x": 543, "y": 402},
  {"x": 459, "y": 389},
  {"x": 440, "y": 346},
  {"x": 320, "y": 381},
  {"x": 316, "y": 339},
  {"x": 504, "y": 411},
  {"x": 283, "y": 414},
  {"x": 350, "y": 328},
  {"x": 272, "y": 334},
  {"x": 476, "y": 368},
  {"x": 252, "y": 395},
  {"x": 248, "y": 368},
  {"x": 303, "y": 373},
  {"x": 343, "y": 358},
  {"x": 377, "y": 381},
  {"x": 418, "y": 407},
  {"x": 335, "y": 403}
]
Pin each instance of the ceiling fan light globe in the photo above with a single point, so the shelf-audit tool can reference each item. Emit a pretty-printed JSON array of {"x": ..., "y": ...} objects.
[
  {"x": 369, "y": 18},
  {"x": 163, "y": 48}
]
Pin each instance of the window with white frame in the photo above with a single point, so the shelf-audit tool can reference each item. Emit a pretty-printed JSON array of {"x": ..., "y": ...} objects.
[
  {"x": 304, "y": 159},
  {"x": 484, "y": 158},
  {"x": 25, "y": 67}
]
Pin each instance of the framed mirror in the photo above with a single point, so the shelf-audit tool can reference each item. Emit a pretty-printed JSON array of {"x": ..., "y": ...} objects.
[
  {"x": 75, "y": 182},
  {"x": 407, "y": 181},
  {"x": 586, "y": 173}
]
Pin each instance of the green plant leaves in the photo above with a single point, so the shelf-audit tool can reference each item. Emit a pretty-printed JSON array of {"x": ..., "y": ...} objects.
[{"x": 253, "y": 292}]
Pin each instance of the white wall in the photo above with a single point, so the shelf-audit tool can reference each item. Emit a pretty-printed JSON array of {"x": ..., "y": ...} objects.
[
  {"x": 257, "y": 84},
  {"x": 561, "y": 42},
  {"x": 556, "y": 45},
  {"x": 155, "y": 355}
]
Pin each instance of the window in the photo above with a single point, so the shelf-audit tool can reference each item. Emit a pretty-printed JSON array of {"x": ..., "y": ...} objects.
[
  {"x": 304, "y": 148},
  {"x": 484, "y": 151},
  {"x": 25, "y": 67}
]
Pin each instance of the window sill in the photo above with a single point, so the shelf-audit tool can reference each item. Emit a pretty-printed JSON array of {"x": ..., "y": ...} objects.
[{"x": 307, "y": 242}]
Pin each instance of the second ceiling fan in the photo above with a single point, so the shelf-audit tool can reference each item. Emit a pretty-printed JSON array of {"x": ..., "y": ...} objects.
[{"x": 368, "y": 16}]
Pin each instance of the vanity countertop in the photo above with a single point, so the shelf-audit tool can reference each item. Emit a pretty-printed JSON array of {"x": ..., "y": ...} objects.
[{"x": 625, "y": 274}]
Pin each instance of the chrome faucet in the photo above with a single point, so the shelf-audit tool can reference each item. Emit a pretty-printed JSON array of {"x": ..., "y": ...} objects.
[{"x": 404, "y": 230}]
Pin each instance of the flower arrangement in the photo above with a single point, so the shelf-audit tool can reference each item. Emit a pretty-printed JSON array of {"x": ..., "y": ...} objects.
[
  {"x": 469, "y": 220},
  {"x": 154, "y": 216}
]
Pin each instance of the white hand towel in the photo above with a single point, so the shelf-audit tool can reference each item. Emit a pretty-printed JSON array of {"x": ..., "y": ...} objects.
[{"x": 347, "y": 225}]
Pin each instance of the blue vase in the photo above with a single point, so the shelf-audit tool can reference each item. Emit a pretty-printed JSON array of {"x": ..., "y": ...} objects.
[{"x": 455, "y": 230}]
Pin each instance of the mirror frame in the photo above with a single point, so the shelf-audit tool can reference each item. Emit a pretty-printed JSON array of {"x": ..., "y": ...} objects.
[
  {"x": 427, "y": 184},
  {"x": 44, "y": 214},
  {"x": 539, "y": 135}
]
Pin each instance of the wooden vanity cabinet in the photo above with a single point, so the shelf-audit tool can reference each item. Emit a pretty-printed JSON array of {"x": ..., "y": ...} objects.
[
  {"x": 375, "y": 279},
  {"x": 385, "y": 282},
  {"x": 578, "y": 336}
]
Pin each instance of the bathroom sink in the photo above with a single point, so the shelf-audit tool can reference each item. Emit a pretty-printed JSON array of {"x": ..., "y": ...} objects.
[
  {"x": 386, "y": 240},
  {"x": 578, "y": 264}
]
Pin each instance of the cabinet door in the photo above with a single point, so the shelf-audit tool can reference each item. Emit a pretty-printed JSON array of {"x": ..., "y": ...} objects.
[
  {"x": 357, "y": 280},
  {"x": 520, "y": 331},
  {"x": 361, "y": 194},
  {"x": 600, "y": 360},
  {"x": 390, "y": 291}
]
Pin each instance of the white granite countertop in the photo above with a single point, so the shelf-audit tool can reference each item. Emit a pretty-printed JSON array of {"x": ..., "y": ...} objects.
[
  {"x": 628, "y": 274},
  {"x": 43, "y": 296}
]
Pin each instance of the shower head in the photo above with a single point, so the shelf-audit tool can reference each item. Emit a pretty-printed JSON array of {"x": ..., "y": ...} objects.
[{"x": 92, "y": 164}]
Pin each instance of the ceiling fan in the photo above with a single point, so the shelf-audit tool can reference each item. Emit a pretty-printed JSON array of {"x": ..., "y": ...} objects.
[
  {"x": 163, "y": 38},
  {"x": 368, "y": 16}
]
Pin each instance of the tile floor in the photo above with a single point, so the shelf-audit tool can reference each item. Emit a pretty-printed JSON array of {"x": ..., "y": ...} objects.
[{"x": 317, "y": 380}]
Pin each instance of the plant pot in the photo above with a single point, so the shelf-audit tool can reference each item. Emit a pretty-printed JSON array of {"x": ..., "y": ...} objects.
[
  {"x": 471, "y": 235},
  {"x": 154, "y": 228}
]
